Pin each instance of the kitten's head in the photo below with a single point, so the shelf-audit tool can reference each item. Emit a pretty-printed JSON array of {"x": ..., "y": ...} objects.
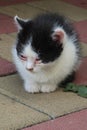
[{"x": 39, "y": 41}]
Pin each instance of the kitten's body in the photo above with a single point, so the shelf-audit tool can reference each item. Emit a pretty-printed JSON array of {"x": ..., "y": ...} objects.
[{"x": 46, "y": 52}]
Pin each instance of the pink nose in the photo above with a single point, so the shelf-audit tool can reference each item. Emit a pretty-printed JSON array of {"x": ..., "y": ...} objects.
[{"x": 29, "y": 69}]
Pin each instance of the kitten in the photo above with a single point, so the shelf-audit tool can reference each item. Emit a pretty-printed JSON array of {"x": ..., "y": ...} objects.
[{"x": 46, "y": 52}]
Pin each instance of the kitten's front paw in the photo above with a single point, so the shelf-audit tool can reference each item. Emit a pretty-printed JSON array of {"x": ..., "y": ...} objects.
[
  {"x": 32, "y": 88},
  {"x": 46, "y": 88}
]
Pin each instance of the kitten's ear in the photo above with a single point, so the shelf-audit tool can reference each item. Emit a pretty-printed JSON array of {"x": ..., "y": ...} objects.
[
  {"x": 21, "y": 23},
  {"x": 58, "y": 35}
]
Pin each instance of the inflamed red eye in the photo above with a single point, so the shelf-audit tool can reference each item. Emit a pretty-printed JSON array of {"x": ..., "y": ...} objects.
[
  {"x": 22, "y": 57},
  {"x": 37, "y": 59}
]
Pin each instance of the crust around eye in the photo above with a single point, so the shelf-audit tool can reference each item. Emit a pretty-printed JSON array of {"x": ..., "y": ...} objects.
[
  {"x": 22, "y": 57},
  {"x": 37, "y": 59}
]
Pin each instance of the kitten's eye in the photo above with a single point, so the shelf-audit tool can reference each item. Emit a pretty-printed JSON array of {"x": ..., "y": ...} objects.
[
  {"x": 37, "y": 59},
  {"x": 22, "y": 57}
]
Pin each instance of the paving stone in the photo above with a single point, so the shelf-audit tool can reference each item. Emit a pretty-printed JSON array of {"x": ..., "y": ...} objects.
[
  {"x": 6, "y": 68},
  {"x": 7, "y": 23},
  {"x": 9, "y": 2},
  {"x": 55, "y": 104},
  {"x": 69, "y": 10},
  {"x": 81, "y": 3},
  {"x": 81, "y": 75},
  {"x": 6, "y": 43},
  {"x": 22, "y": 10},
  {"x": 84, "y": 49},
  {"x": 74, "y": 121},
  {"x": 81, "y": 28},
  {"x": 14, "y": 116}
]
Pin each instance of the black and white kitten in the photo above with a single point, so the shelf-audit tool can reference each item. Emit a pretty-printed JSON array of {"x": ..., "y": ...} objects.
[{"x": 46, "y": 51}]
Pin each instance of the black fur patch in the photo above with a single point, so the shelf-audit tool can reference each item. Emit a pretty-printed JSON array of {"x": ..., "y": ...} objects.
[
  {"x": 41, "y": 29},
  {"x": 23, "y": 36}
]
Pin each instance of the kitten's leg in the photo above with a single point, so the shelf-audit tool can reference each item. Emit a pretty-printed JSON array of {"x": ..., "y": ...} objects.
[
  {"x": 31, "y": 87},
  {"x": 48, "y": 87}
]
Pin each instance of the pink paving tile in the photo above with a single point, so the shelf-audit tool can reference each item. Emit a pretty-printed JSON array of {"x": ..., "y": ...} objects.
[
  {"x": 81, "y": 28},
  {"x": 7, "y": 24},
  {"x": 6, "y": 67},
  {"x": 81, "y": 75},
  {"x": 12, "y": 2},
  {"x": 80, "y": 3},
  {"x": 74, "y": 121}
]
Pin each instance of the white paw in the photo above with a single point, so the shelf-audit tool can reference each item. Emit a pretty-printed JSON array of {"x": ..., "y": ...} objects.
[
  {"x": 46, "y": 88},
  {"x": 32, "y": 87}
]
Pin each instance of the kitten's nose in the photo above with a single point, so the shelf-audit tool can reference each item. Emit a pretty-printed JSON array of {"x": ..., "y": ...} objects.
[
  {"x": 30, "y": 65},
  {"x": 29, "y": 69}
]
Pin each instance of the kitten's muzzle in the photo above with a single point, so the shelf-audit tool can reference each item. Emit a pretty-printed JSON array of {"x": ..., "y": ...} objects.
[
  {"x": 30, "y": 69},
  {"x": 30, "y": 64}
]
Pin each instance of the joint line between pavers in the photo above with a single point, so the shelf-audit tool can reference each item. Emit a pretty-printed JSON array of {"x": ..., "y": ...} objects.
[
  {"x": 37, "y": 7},
  {"x": 18, "y": 101}
]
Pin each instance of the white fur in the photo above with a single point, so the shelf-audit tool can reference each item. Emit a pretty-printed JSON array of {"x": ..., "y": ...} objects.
[{"x": 46, "y": 77}]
